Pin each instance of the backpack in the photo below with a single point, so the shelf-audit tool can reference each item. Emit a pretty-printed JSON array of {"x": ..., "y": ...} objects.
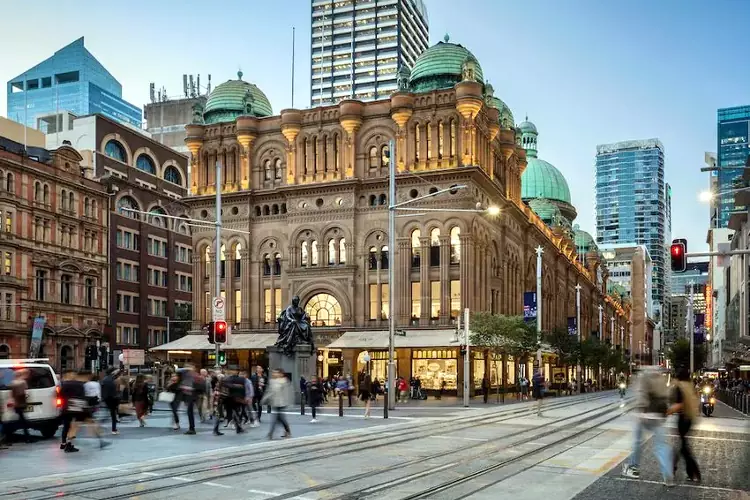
[{"x": 689, "y": 400}]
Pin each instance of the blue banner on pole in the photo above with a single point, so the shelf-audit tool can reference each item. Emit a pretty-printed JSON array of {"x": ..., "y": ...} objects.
[
  {"x": 529, "y": 307},
  {"x": 700, "y": 328},
  {"x": 572, "y": 328},
  {"x": 36, "y": 336}
]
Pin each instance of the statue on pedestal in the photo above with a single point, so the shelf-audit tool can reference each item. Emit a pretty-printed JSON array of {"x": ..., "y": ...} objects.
[{"x": 294, "y": 328}]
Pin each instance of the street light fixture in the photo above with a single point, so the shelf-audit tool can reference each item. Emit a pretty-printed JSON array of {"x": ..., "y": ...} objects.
[{"x": 708, "y": 196}]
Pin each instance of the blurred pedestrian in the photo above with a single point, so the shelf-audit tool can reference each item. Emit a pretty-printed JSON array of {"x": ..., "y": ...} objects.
[
  {"x": 187, "y": 394},
  {"x": 685, "y": 405},
  {"x": 279, "y": 395},
  {"x": 314, "y": 396},
  {"x": 18, "y": 399},
  {"x": 538, "y": 390},
  {"x": 111, "y": 397},
  {"x": 140, "y": 399}
]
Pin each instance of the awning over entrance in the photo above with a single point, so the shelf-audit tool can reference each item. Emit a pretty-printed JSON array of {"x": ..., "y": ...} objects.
[
  {"x": 238, "y": 341},
  {"x": 378, "y": 340}
]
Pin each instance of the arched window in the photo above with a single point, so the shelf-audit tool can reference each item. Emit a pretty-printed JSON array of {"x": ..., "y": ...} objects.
[
  {"x": 90, "y": 292},
  {"x": 305, "y": 255},
  {"x": 342, "y": 251},
  {"x": 37, "y": 191},
  {"x": 304, "y": 157},
  {"x": 67, "y": 360},
  {"x": 324, "y": 143},
  {"x": 208, "y": 261},
  {"x": 223, "y": 264},
  {"x": 324, "y": 310},
  {"x": 455, "y": 245},
  {"x": 314, "y": 253},
  {"x": 94, "y": 208},
  {"x": 144, "y": 163},
  {"x": 114, "y": 150},
  {"x": 267, "y": 170},
  {"x": 277, "y": 169},
  {"x": 384, "y": 257},
  {"x": 428, "y": 128},
  {"x": 155, "y": 219},
  {"x": 4, "y": 351},
  {"x": 277, "y": 264},
  {"x": 65, "y": 288},
  {"x": 266, "y": 265},
  {"x": 237, "y": 260},
  {"x": 385, "y": 156},
  {"x": 452, "y": 146},
  {"x": 10, "y": 184},
  {"x": 72, "y": 204},
  {"x": 315, "y": 155},
  {"x": 331, "y": 252},
  {"x": 46, "y": 194},
  {"x": 373, "y": 258},
  {"x": 266, "y": 210},
  {"x": 435, "y": 247},
  {"x": 126, "y": 205},
  {"x": 171, "y": 174},
  {"x": 374, "y": 161},
  {"x": 416, "y": 245},
  {"x": 417, "y": 142},
  {"x": 63, "y": 200},
  {"x": 86, "y": 207},
  {"x": 373, "y": 200},
  {"x": 382, "y": 200},
  {"x": 336, "y": 148},
  {"x": 440, "y": 140}
]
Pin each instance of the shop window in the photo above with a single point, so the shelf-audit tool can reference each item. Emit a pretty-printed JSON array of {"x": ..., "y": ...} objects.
[{"x": 384, "y": 304}]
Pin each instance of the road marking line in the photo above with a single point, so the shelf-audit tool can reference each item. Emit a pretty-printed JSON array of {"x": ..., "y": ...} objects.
[
  {"x": 681, "y": 485},
  {"x": 183, "y": 479},
  {"x": 150, "y": 474},
  {"x": 461, "y": 437},
  {"x": 261, "y": 492},
  {"x": 209, "y": 483}
]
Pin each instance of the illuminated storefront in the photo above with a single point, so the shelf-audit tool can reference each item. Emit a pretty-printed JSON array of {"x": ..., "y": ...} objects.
[{"x": 435, "y": 367}]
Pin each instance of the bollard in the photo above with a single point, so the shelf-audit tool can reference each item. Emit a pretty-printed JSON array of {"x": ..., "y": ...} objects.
[
  {"x": 385, "y": 405},
  {"x": 302, "y": 403},
  {"x": 341, "y": 403},
  {"x": 269, "y": 409}
]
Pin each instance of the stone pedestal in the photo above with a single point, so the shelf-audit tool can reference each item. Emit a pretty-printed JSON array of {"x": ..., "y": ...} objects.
[{"x": 301, "y": 363}]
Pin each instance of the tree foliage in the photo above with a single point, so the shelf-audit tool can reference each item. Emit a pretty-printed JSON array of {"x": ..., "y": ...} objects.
[
  {"x": 564, "y": 345},
  {"x": 679, "y": 354}
]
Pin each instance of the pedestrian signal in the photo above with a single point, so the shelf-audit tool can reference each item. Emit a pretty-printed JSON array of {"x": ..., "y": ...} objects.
[{"x": 222, "y": 358}]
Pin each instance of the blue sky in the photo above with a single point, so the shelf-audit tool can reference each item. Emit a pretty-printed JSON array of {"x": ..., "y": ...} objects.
[{"x": 585, "y": 71}]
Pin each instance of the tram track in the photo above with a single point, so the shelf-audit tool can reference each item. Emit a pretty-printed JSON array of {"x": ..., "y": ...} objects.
[{"x": 297, "y": 453}]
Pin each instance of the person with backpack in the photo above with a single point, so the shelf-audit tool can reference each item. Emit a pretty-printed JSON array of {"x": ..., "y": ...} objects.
[
  {"x": 650, "y": 410},
  {"x": 686, "y": 406}
]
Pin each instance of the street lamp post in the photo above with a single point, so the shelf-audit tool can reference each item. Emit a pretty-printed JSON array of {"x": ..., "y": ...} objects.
[
  {"x": 578, "y": 331},
  {"x": 539, "y": 252},
  {"x": 601, "y": 335}
]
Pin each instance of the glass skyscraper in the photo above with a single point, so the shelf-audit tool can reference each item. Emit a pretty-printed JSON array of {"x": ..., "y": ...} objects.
[
  {"x": 358, "y": 46},
  {"x": 733, "y": 150},
  {"x": 632, "y": 204},
  {"x": 72, "y": 81}
]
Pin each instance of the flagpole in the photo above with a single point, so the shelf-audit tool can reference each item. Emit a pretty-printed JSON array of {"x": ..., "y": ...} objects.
[{"x": 292, "y": 66}]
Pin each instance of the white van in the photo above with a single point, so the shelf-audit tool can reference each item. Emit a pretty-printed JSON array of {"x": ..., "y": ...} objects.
[{"x": 43, "y": 397}]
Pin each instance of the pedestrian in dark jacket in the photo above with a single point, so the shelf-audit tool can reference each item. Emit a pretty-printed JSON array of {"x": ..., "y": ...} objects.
[
  {"x": 111, "y": 397},
  {"x": 314, "y": 396},
  {"x": 139, "y": 396}
]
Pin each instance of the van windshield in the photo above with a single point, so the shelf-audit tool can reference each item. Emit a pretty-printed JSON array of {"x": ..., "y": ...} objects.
[{"x": 39, "y": 377}]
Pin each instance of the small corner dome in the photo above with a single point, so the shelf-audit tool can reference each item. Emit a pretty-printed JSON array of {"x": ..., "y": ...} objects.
[
  {"x": 583, "y": 239},
  {"x": 506, "y": 115},
  {"x": 441, "y": 67},
  {"x": 527, "y": 127},
  {"x": 235, "y": 98}
]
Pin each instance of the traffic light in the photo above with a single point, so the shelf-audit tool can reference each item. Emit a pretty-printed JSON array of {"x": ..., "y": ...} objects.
[
  {"x": 220, "y": 332},
  {"x": 222, "y": 358},
  {"x": 677, "y": 253},
  {"x": 210, "y": 331}
]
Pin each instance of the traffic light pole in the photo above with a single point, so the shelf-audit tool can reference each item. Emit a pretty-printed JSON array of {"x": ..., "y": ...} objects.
[{"x": 217, "y": 256}]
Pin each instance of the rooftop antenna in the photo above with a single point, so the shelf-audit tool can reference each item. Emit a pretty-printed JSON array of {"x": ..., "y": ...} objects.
[
  {"x": 185, "y": 85},
  {"x": 192, "y": 86},
  {"x": 152, "y": 91},
  {"x": 198, "y": 85},
  {"x": 208, "y": 89}
]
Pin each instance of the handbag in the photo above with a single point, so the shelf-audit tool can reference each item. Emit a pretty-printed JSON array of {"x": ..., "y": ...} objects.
[{"x": 166, "y": 397}]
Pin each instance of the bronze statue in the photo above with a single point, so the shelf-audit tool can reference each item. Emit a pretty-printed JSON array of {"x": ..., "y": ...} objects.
[{"x": 294, "y": 328}]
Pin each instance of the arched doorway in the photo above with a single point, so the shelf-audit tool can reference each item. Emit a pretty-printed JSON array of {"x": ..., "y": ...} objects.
[
  {"x": 67, "y": 360},
  {"x": 4, "y": 351},
  {"x": 324, "y": 310}
]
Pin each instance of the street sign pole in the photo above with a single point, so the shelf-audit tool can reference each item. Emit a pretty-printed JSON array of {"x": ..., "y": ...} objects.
[{"x": 217, "y": 257}]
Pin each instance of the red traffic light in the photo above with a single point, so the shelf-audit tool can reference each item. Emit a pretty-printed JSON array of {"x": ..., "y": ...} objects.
[
  {"x": 677, "y": 250},
  {"x": 220, "y": 332},
  {"x": 677, "y": 254}
]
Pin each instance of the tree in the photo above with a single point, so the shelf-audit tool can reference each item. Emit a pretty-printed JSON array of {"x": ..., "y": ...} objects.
[
  {"x": 594, "y": 354},
  {"x": 501, "y": 335},
  {"x": 679, "y": 354},
  {"x": 564, "y": 345}
]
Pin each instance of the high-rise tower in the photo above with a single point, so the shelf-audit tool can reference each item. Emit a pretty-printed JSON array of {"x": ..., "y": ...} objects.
[
  {"x": 733, "y": 149},
  {"x": 631, "y": 204},
  {"x": 358, "y": 46}
]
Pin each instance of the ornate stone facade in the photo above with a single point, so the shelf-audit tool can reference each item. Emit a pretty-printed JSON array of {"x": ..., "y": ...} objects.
[{"x": 305, "y": 207}]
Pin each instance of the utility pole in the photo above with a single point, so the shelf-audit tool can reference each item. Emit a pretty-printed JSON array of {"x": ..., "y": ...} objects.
[
  {"x": 690, "y": 329},
  {"x": 578, "y": 330},
  {"x": 467, "y": 369},
  {"x": 217, "y": 257},
  {"x": 539, "y": 252},
  {"x": 391, "y": 271}
]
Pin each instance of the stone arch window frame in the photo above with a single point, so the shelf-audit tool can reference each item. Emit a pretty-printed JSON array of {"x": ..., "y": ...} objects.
[
  {"x": 10, "y": 182},
  {"x": 452, "y": 137},
  {"x": 440, "y": 138},
  {"x": 435, "y": 245},
  {"x": 66, "y": 286},
  {"x": 206, "y": 257},
  {"x": 5, "y": 351},
  {"x": 172, "y": 166},
  {"x": 454, "y": 234},
  {"x": 337, "y": 152},
  {"x": 46, "y": 194},
  {"x": 314, "y": 140},
  {"x": 237, "y": 259},
  {"x": 148, "y": 161},
  {"x": 278, "y": 169},
  {"x": 325, "y": 309},
  {"x": 415, "y": 237},
  {"x": 86, "y": 206},
  {"x": 428, "y": 140},
  {"x": 89, "y": 291},
  {"x": 136, "y": 205},
  {"x": 223, "y": 260},
  {"x": 324, "y": 139},
  {"x": 417, "y": 142},
  {"x": 38, "y": 191},
  {"x": 63, "y": 200},
  {"x": 266, "y": 264},
  {"x": 267, "y": 170},
  {"x": 305, "y": 245},
  {"x": 156, "y": 213},
  {"x": 117, "y": 144},
  {"x": 373, "y": 157}
]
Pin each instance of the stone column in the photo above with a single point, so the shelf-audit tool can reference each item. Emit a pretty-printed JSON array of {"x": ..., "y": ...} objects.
[
  {"x": 445, "y": 266},
  {"x": 467, "y": 265},
  {"x": 403, "y": 279}
]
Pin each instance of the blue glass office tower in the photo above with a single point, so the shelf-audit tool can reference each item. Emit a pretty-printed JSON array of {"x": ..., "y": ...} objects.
[
  {"x": 71, "y": 80},
  {"x": 632, "y": 204},
  {"x": 733, "y": 150}
]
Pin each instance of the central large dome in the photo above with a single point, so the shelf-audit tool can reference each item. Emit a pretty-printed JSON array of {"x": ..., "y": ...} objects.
[
  {"x": 440, "y": 67},
  {"x": 235, "y": 98},
  {"x": 541, "y": 179}
]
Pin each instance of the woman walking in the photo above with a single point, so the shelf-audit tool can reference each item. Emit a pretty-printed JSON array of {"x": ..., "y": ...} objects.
[
  {"x": 278, "y": 395},
  {"x": 365, "y": 392},
  {"x": 686, "y": 406},
  {"x": 140, "y": 399}
]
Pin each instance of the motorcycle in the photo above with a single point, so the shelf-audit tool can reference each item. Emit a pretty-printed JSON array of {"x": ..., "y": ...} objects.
[
  {"x": 707, "y": 401},
  {"x": 623, "y": 386}
]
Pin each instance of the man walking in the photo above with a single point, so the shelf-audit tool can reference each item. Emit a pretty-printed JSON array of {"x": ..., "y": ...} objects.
[
  {"x": 259, "y": 388},
  {"x": 18, "y": 390},
  {"x": 111, "y": 398},
  {"x": 538, "y": 390}
]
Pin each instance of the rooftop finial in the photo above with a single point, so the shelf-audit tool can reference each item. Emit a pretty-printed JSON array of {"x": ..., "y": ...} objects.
[
  {"x": 446, "y": 38},
  {"x": 527, "y": 118},
  {"x": 239, "y": 75}
]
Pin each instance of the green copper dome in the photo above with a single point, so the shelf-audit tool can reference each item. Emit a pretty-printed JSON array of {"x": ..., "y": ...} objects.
[
  {"x": 235, "y": 98},
  {"x": 542, "y": 180},
  {"x": 506, "y": 115},
  {"x": 584, "y": 241},
  {"x": 527, "y": 127},
  {"x": 546, "y": 210},
  {"x": 441, "y": 67}
]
